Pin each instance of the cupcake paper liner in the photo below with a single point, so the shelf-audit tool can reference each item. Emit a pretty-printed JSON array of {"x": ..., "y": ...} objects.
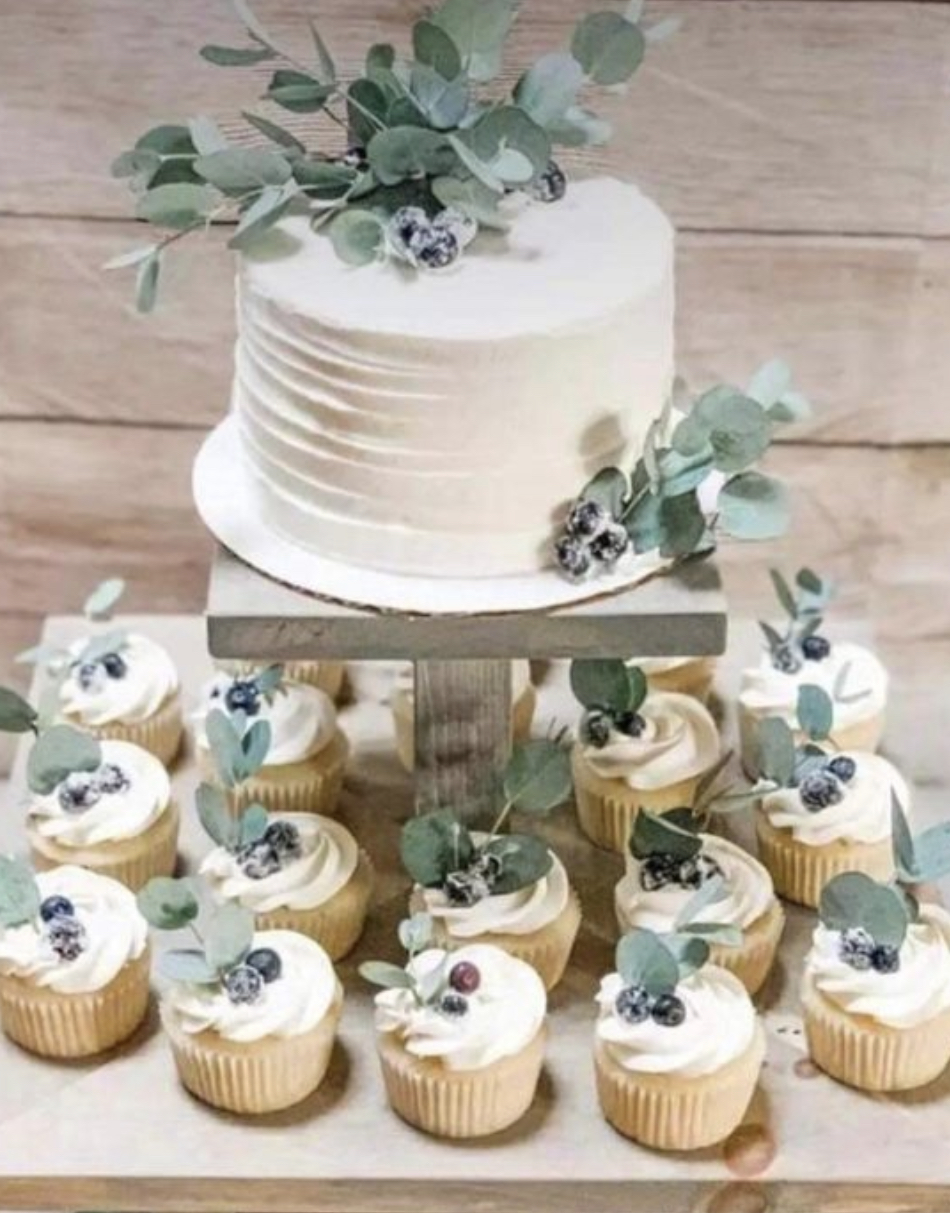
[
  {"x": 160, "y": 734},
  {"x": 460, "y": 1103},
  {"x": 522, "y": 718},
  {"x": 800, "y": 872},
  {"x": 871, "y": 1056},
  {"x": 251, "y": 1079},
  {"x": 132, "y": 861},
  {"x": 312, "y": 786},
  {"x": 670, "y": 1112},
  {"x": 606, "y": 808},
  {"x": 71, "y": 1026},
  {"x": 862, "y": 737},
  {"x": 338, "y": 923},
  {"x": 695, "y": 678}
]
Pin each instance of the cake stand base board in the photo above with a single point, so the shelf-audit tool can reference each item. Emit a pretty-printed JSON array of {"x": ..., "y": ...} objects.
[{"x": 119, "y": 1133}]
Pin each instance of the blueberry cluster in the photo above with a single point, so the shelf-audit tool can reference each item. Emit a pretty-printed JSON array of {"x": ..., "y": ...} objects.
[
  {"x": 634, "y": 1005},
  {"x": 821, "y": 789},
  {"x": 597, "y": 725},
  {"x": 91, "y": 675},
  {"x": 659, "y": 871},
  {"x": 244, "y": 984},
  {"x": 857, "y": 949},
  {"x": 592, "y": 537},
  {"x": 551, "y": 185},
  {"x": 65, "y": 933},
  {"x": 279, "y": 844},
  {"x": 429, "y": 242},
  {"x": 243, "y": 695},
  {"x": 473, "y": 884},
  {"x": 464, "y": 980},
  {"x": 786, "y": 658},
  {"x": 81, "y": 790}
]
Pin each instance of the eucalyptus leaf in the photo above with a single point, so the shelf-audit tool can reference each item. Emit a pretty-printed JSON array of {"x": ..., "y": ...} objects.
[
  {"x": 19, "y": 893},
  {"x": 358, "y": 237},
  {"x": 255, "y": 745},
  {"x": 902, "y": 843},
  {"x": 644, "y": 960},
  {"x": 416, "y": 933},
  {"x": 236, "y": 56},
  {"x": 579, "y": 127},
  {"x": 215, "y": 815},
  {"x": 473, "y": 199},
  {"x": 770, "y": 383},
  {"x": 792, "y": 408},
  {"x": 784, "y": 594},
  {"x": 706, "y": 895},
  {"x": 478, "y": 28},
  {"x": 524, "y": 861},
  {"x": 433, "y": 845},
  {"x": 229, "y": 937},
  {"x": 643, "y": 522},
  {"x": 537, "y": 777},
  {"x": 855, "y": 900},
  {"x": 169, "y": 139},
  {"x": 601, "y": 683},
  {"x": 269, "y": 680},
  {"x": 407, "y": 152},
  {"x": 58, "y": 752},
  {"x": 97, "y": 647},
  {"x": 325, "y": 65},
  {"x": 167, "y": 904},
  {"x": 549, "y": 89},
  {"x": 253, "y": 824},
  {"x": 298, "y": 92},
  {"x": 237, "y": 170},
  {"x": 102, "y": 601},
  {"x": 932, "y": 851},
  {"x": 380, "y": 55},
  {"x": 816, "y": 712},
  {"x": 49, "y": 655},
  {"x": 276, "y": 133},
  {"x": 146, "y": 283},
  {"x": 776, "y": 751},
  {"x": 207, "y": 136},
  {"x": 609, "y": 489},
  {"x": 753, "y": 506},
  {"x": 690, "y": 951},
  {"x": 435, "y": 48},
  {"x": 507, "y": 129},
  {"x": 683, "y": 524},
  {"x": 657, "y": 835},
  {"x": 132, "y": 258},
  {"x": 16, "y": 715},
  {"x": 389, "y": 976},
  {"x": 722, "y": 933},
  {"x": 187, "y": 965},
  {"x": 177, "y": 206},
  {"x": 324, "y": 180},
  {"x": 608, "y": 47},
  {"x": 226, "y": 749},
  {"x": 442, "y": 102}
]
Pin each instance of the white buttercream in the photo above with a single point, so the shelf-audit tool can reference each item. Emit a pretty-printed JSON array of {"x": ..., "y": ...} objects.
[
  {"x": 504, "y": 1015},
  {"x": 116, "y": 933},
  {"x": 149, "y": 682},
  {"x": 433, "y": 424},
  {"x": 862, "y": 815},
  {"x": 679, "y": 741},
  {"x": 719, "y": 1027},
  {"x": 747, "y": 888},
  {"x": 328, "y": 860},
  {"x": 919, "y": 990},
  {"x": 116, "y": 815},
  {"x": 290, "y": 1006},
  {"x": 302, "y": 719},
  {"x": 766, "y": 691}
]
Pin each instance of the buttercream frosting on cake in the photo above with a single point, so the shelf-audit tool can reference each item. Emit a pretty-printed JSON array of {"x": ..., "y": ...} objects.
[{"x": 435, "y": 424}]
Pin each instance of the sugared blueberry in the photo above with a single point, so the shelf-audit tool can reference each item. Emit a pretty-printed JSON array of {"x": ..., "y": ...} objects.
[
  {"x": 785, "y": 660},
  {"x": 820, "y": 790},
  {"x": 885, "y": 959},
  {"x": 668, "y": 1010},
  {"x": 111, "y": 779},
  {"x": 816, "y": 648},
  {"x": 78, "y": 792},
  {"x": 595, "y": 728},
  {"x": 453, "y": 1005},
  {"x": 631, "y": 724},
  {"x": 633, "y": 1004},
  {"x": 856, "y": 948},
  {"x": 694, "y": 873},
  {"x": 284, "y": 837},
  {"x": 90, "y": 676},
  {"x": 435, "y": 248},
  {"x": 462, "y": 227},
  {"x": 464, "y": 977},
  {"x": 551, "y": 185},
  {"x": 658, "y": 871},
  {"x": 266, "y": 962},
  {"x": 114, "y": 665},
  {"x": 259, "y": 860},
  {"x": 610, "y": 544},
  {"x": 243, "y": 985},
  {"x": 573, "y": 557},
  {"x": 243, "y": 695},
  {"x": 587, "y": 519},
  {"x": 466, "y": 888},
  {"x": 843, "y": 767},
  {"x": 405, "y": 225},
  {"x": 67, "y": 937},
  {"x": 56, "y": 907}
]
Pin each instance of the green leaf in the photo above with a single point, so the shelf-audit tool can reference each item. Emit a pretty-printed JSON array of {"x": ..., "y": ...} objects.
[
  {"x": 810, "y": 582},
  {"x": 407, "y": 152},
  {"x": 478, "y": 28},
  {"x": 644, "y": 524},
  {"x": 638, "y": 687},
  {"x": 608, "y": 47},
  {"x": 43, "y": 654},
  {"x": 324, "y": 179},
  {"x": 655, "y": 835},
  {"x": 683, "y": 525},
  {"x": 816, "y": 712},
  {"x": 776, "y": 751},
  {"x": 770, "y": 383},
  {"x": 902, "y": 843},
  {"x": 271, "y": 130},
  {"x": 16, "y": 715},
  {"x": 358, "y": 237},
  {"x": 932, "y": 849},
  {"x": 610, "y": 489},
  {"x": 415, "y": 933},
  {"x": 433, "y": 845},
  {"x": 167, "y": 140},
  {"x": 644, "y": 960},
  {"x": 580, "y": 128},
  {"x": 253, "y": 824},
  {"x": 715, "y": 932},
  {"x": 548, "y": 90},
  {"x": 366, "y": 101},
  {"x": 389, "y": 976},
  {"x": 855, "y": 900},
  {"x": 239, "y": 169},
  {"x": 706, "y": 895},
  {"x": 690, "y": 951},
  {"x": 215, "y": 816},
  {"x": 538, "y": 776},
  {"x": 133, "y": 257},
  {"x": 524, "y": 861},
  {"x": 57, "y": 753},
  {"x": 102, "y": 601},
  {"x": 783, "y": 592},
  {"x": 471, "y": 198},
  {"x": 326, "y": 68},
  {"x": 207, "y": 136},
  {"x": 226, "y": 749},
  {"x": 443, "y": 103},
  {"x": 792, "y": 408},
  {"x": 268, "y": 209},
  {"x": 168, "y": 904},
  {"x": 236, "y": 56},
  {"x": 507, "y": 130},
  {"x": 297, "y": 92},
  {"x": 255, "y": 745},
  {"x": 753, "y": 506},
  {"x": 601, "y": 683},
  {"x": 187, "y": 965},
  {"x": 146, "y": 283},
  {"x": 19, "y": 893},
  {"x": 433, "y": 47},
  {"x": 113, "y": 641},
  {"x": 680, "y": 474},
  {"x": 380, "y": 56},
  {"x": 177, "y": 206},
  {"x": 229, "y": 938},
  {"x": 141, "y": 165}
]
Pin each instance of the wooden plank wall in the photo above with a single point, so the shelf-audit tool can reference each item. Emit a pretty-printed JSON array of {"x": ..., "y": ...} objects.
[{"x": 801, "y": 146}]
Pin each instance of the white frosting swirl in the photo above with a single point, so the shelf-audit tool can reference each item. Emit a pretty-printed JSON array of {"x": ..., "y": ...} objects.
[
  {"x": 519, "y": 913},
  {"x": 766, "y": 691},
  {"x": 328, "y": 860},
  {"x": 116, "y": 933},
  {"x": 679, "y": 741},
  {"x": 149, "y": 681},
  {"x": 919, "y": 990},
  {"x": 747, "y": 887},
  {"x": 862, "y": 815},
  {"x": 302, "y": 719},
  {"x": 504, "y": 1014},
  {"x": 520, "y": 680},
  {"x": 719, "y": 1027},
  {"x": 116, "y": 815},
  {"x": 290, "y": 1006}
]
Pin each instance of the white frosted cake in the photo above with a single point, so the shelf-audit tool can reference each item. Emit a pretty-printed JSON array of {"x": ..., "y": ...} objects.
[{"x": 437, "y": 424}]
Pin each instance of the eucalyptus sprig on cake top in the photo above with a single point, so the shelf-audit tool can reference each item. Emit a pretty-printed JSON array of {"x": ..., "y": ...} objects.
[
  {"x": 414, "y": 156},
  {"x": 821, "y": 811},
  {"x": 798, "y": 651},
  {"x": 678, "y": 1046},
  {"x": 251, "y": 1015},
  {"x": 495, "y": 886},
  {"x": 695, "y": 481},
  {"x": 638, "y": 748}
]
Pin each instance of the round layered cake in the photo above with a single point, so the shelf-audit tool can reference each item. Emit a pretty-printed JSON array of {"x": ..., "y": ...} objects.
[{"x": 436, "y": 425}]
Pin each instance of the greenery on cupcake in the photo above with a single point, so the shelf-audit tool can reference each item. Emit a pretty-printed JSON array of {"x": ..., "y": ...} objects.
[
  {"x": 696, "y": 480},
  {"x": 669, "y": 851},
  {"x": 415, "y": 154},
  {"x": 612, "y": 694},
  {"x": 804, "y": 604},
  {"x": 446, "y": 987},
  {"x": 22, "y": 903},
  {"x": 440, "y": 852}
]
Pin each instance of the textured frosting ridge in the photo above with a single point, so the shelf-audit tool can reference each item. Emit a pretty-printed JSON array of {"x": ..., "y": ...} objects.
[
  {"x": 766, "y": 691},
  {"x": 433, "y": 424},
  {"x": 302, "y": 719},
  {"x": 149, "y": 681}
]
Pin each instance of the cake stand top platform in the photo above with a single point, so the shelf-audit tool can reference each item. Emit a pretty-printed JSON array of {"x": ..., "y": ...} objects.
[{"x": 682, "y": 613}]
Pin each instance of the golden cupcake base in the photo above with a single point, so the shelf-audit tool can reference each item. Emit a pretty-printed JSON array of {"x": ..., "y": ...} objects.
[
  {"x": 161, "y": 733},
  {"x": 312, "y": 786},
  {"x": 460, "y": 1103},
  {"x": 403, "y": 708},
  {"x": 337, "y": 924}
]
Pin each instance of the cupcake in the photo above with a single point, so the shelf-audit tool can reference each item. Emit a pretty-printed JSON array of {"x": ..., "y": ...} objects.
[
  {"x": 799, "y": 655},
  {"x": 638, "y": 749},
  {"x": 326, "y": 676},
  {"x": 74, "y": 961},
  {"x": 461, "y": 1039},
  {"x": 876, "y": 987},
  {"x": 124, "y": 687},
  {"x": 118, "y": 820},
  {"x": 306, "y": 752},
  {"x": 670, "y": 868},
  {"x": 294, "y": 872},
  {"x": 678, "y": 1046},
  {"x": 523, "y": 702},
  {"x": 682, "y": 675}
]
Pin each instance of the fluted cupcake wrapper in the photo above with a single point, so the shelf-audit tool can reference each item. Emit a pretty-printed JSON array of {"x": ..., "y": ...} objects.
[
  {"x": 862, "y": 737},
  {"x": 606, "y": 808},
  {"x": 261, "y": 1076},
  {"x": 71, "y": 1026},
  {"x": 800, "y": 872},
  {"x": 312, "y": 786},
  {"x": 695, "y": 678},
  {"x": 338, "y": 923},
  {"x": 522, "y": 718},
  {"x": 160, "y": 734},
  {"x": 326, "y": 676},
  {"x": 670, "y": 1112},
  {"x": 546, "y": 950},
  {"x": 132, "y": 861},
  {"x": 752, "y": 961},
  {"x": 871, "y": 1056},
  {"x": 460, "y": 1103}
]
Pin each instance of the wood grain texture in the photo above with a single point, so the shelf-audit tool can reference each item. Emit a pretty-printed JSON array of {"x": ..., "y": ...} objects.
[{"x": 786, "y": 116}]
